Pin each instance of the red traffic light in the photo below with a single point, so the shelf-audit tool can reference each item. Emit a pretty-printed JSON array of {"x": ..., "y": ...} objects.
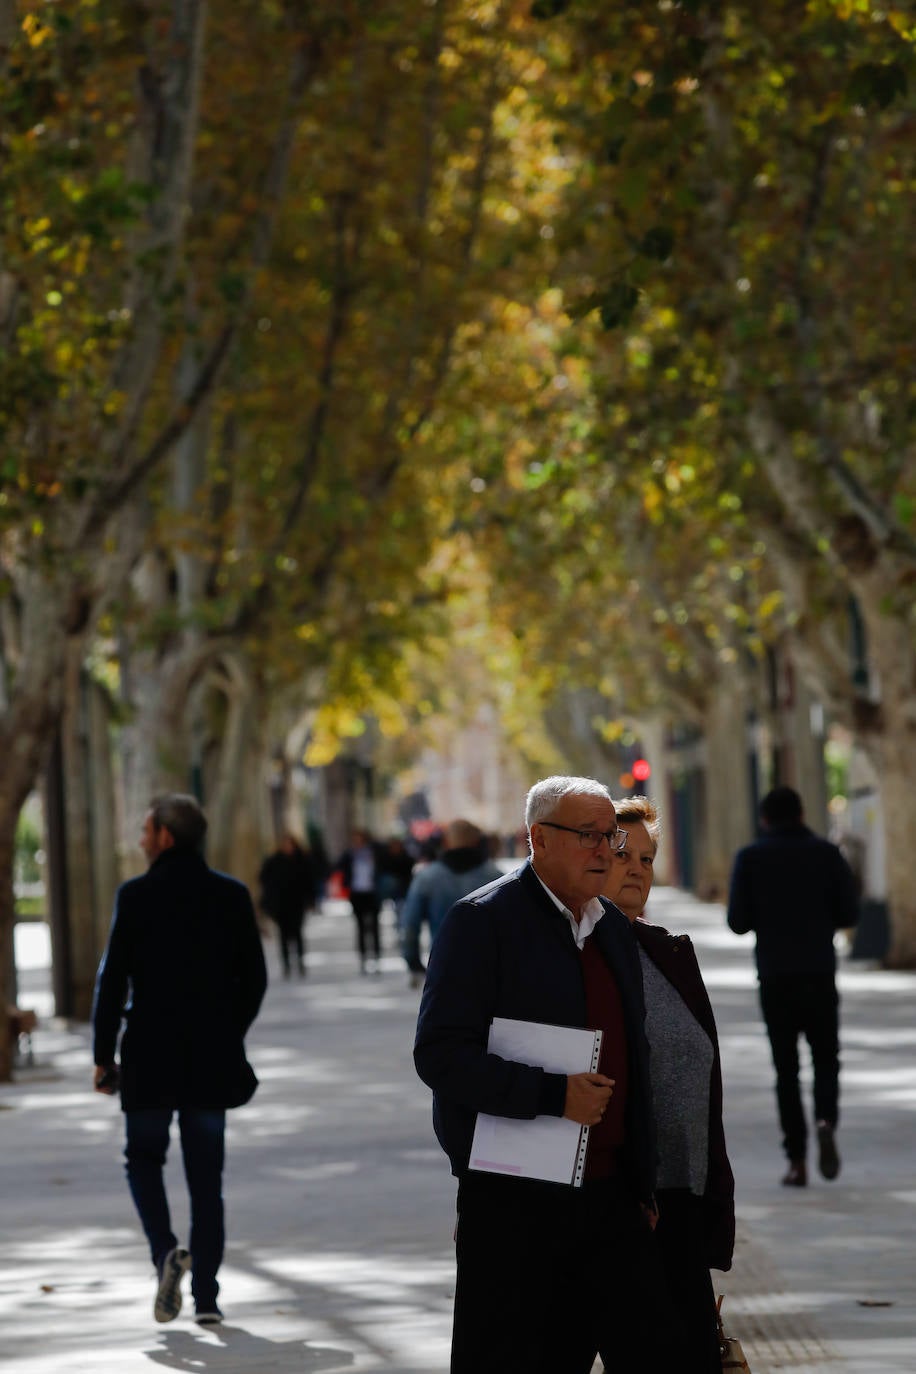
[{"x": 641, "y": 770}]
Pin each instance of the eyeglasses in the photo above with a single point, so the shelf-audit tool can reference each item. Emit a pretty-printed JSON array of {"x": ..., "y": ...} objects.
[{"x": 591, "y": 839}]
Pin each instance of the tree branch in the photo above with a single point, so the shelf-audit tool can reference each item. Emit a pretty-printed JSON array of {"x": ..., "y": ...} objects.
[
  {"x": 129, "y": 475},
  {"x": 124, "y": 483}
]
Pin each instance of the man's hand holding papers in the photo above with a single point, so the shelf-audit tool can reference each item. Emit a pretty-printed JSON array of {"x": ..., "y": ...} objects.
[{"x": 587, "y": 1096}]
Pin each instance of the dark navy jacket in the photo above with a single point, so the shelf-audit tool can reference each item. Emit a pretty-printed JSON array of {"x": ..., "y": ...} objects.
[
  {"x": 794, "y": 890},
  {"x": 507, "y": 950},
  {"x": 184, "y": 966}
]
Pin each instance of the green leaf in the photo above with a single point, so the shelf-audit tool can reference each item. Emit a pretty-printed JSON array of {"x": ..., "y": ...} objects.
[
  {"x": 876, "y": 85},
  {"x": 633, "y": 188},
  {"x": 661, "y": 105},
  {"x": 548, "y": 9},
  {"x": 904, "y": 508},
  {"x": 232, "y": 287},
  {"x": 618, "y": 305},
  {"x": 613, "y": 148},
  {"x": 657, "y": 243}
]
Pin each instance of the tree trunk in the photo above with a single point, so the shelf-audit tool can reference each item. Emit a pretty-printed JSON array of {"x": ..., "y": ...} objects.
[
  {"x": 240, "y": 823},
  {"x": 803, "y": 734},
  {"x": 236, "y": 803},
  {"x": 27, "y": 726},
  {"x": 161, "y": 755},
  {"x": 145, "y": 769},
  {"x": 657, "y": 787},
  {"x": 77, "y": 855},
  {"x": 336, "y": 807},
  {"x": 7, "y": 920},
  {"x": 87, "y": 847},
  {"x": 889, "y": 738},
  {"x": 105, "y": 825},
  {"x": 728, "y": 818},
  {"x": 897, "y": 767}
]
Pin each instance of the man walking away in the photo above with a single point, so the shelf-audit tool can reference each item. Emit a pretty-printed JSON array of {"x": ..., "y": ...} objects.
[
  {"x": 795, "y": 890},
  {"x": 360, "y": 868},
  {"x": 462, "y": 867},
  {"x": 287, "y": 888},
  {"x": 185, "y": 969}
]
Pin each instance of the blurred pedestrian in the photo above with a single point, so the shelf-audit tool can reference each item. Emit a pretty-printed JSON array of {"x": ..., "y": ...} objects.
[
  {"x": 321, "y": 867},
  {"x": 396, "y": 864},
  {"x": 795, "y": 890},
  {"x": 549, "y": 1274},
  {"x": 360, "y": 867},
  {"x": 287, "y": 891},
  {"x": 696, "y": 1188},
  {"x": 184, "y": 967},
  {"x": 462, "y": 866}
]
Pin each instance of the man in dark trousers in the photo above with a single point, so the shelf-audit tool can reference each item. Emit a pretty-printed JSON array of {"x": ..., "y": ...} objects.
[
  {"x": 287, "y": 890},
  {"x": 795, "y": 890},
  {"x": 548, "y": 1274},
  {"x": 185, "y": 969}
]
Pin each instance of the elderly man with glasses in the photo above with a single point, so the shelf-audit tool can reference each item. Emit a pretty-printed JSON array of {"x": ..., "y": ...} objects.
[{"x": 549, "y": 1275}]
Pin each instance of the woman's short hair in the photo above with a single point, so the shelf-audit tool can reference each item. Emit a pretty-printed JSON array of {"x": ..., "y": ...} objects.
[
  {"x": 545, "y": 796},
  {"x": 634, "y": 809},
  {"x": 182, "y": 816}
]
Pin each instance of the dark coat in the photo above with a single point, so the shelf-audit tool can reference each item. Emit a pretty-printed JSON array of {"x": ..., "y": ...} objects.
[
  {"x": 434, "y": 890},
  {"x": 345, "y": 865},
  {"x": 506, "y": 950},
  {"x": 794, "y": 890},
  {"x": 184, "y": 948},
  {"x": 675, "y": 957},
  {"x": 287, "y": 886}
]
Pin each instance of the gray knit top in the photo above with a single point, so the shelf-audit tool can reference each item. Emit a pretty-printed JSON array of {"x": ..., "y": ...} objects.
[{"x": 680, "y": 1064}]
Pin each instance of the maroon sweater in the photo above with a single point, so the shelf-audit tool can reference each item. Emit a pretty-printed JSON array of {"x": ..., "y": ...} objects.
[{"x": 604, "y": 1011}]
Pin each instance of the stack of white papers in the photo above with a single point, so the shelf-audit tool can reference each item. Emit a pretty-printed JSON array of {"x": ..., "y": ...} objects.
[{"x": 549, "y": 1147}]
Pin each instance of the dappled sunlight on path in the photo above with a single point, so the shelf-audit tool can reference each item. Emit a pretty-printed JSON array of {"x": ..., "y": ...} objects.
[{"x": 341, "y": 1207}]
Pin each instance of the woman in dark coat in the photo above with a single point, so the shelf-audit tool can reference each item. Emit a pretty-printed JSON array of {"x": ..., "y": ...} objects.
[
  {"x": 287, "y": 888},
  {"x": 696, "y": 1187}
]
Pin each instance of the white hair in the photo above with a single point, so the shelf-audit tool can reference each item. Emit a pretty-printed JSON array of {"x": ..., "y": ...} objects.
[{"x": 545, "y": 796}]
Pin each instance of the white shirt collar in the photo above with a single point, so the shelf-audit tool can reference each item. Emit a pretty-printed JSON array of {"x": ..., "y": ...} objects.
[{"x": 591, "y": 913}]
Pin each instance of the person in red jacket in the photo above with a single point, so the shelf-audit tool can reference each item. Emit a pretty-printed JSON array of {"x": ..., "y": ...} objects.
[{"x": 696, "y": 1188}]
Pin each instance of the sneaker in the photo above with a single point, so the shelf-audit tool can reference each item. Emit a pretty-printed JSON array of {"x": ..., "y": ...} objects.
[
  {"x": 828, "y": 1160},
  {"x": 209, "y": 1315},
  {"x": 168, "y": 1295}
]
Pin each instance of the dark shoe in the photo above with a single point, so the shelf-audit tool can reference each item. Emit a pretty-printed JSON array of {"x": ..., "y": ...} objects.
[
  {"x": 828, "y": 1160},
  {"x": 209, "y": 1315},
  {"x": 168, "y": 1295},
  {"x": 797, "y": 1174}
]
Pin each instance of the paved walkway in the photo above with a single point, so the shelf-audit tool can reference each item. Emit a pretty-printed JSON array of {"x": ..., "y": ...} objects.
[{"x": 340, "y": 1205}]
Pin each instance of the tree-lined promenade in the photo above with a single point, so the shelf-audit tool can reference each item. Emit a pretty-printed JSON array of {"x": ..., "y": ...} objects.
[{"x": 358, "y": 359}]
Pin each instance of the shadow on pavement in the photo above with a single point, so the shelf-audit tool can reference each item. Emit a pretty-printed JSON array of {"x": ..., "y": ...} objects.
[{"x": 238, "y": 1350}]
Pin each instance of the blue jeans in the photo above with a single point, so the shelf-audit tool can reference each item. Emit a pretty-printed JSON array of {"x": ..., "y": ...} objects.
[{"x": 202, "y": 1133}]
